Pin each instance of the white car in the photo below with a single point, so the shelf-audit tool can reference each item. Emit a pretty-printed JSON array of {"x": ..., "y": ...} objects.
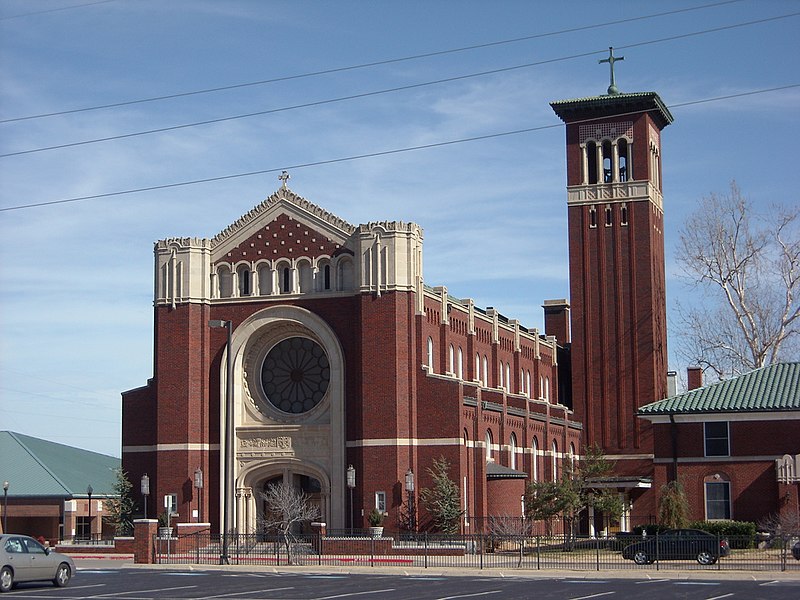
[{"x": 22, "y": 558}]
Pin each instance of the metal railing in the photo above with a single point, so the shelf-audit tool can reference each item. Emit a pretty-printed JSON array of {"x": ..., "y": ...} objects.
[{"x": 487, "y": 551}]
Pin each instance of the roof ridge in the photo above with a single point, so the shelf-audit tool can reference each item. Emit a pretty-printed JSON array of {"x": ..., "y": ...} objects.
[{"x": 30, "y": 452}]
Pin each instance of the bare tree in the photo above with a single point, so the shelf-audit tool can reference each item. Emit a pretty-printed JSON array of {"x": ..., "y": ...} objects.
[
  {"x": 287, "y": 508},
  {"x": 747, "y": 264}
]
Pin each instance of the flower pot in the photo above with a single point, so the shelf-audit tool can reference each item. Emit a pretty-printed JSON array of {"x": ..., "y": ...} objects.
[
  {"x": 376, "y": 532},
  {"x": 164, "y": 532}
]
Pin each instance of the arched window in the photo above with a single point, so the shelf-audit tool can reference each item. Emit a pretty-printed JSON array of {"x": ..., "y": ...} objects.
[
  {"x": 485, "y": 371},
  {"x": 512, "y": 451},
  {"x": 535, "y": 460},
  {"x": 508, "y": 377},
  {"x": 547, "y": 388},
  {"x": 522, "y": 381},
  {"x": 572, "y": 458},
  {"x": 528, "y": 382},
  {"x": 717, "y": 488},
  {"x": 477, "y": 367},
  {"x": 541, "y": 386},
  {"x": 591, "y": 162},
  {"x": 500, "y": 370},
  {"x": 225, "y": 280},
  {"x": 488, "y": 446},
  {"x": 326, "y": 277},
  {"x": 452, "y": 359},
  {"x": 306, "y": 277},
  {"x": 460, "y": 372},
  {"x": 430, "y": 355},
  {"x": 608, "y": 164},
  {"x": 243, "y": 275},
  {"x": 555, "y": 461},
  {"x": 286, "y": 280},
  {"x": 622, "y": 149}
]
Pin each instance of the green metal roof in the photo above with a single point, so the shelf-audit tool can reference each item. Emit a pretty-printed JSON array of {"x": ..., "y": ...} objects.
[
  {"x": 35, "y": 467},
  {"x": 596, "y": 107},
  {"x": 772, "y": 388}
]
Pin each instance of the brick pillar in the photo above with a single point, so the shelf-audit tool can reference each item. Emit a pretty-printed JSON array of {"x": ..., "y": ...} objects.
[
  {"x": 321, "y": 530},
  {"x": 144, "y": 530},
  {"x": 556, "y": 320}
]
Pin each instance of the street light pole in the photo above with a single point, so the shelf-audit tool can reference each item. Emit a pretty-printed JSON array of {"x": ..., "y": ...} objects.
[
  {"x": 412, "y": 517},
  {"x": 5, "y": 507},
  {"x": 198, "y": 485},
  {"x": 145, "y": 489},
  {"x": 89, "y": 491},
  {"x": 351, "y": 483},
  {"x": 227, "y": 504}
]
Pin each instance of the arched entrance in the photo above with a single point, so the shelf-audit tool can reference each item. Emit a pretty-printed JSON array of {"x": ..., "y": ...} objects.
[
  {"x": 305, "y": 478},
  {"x": 288, "y": 397}
]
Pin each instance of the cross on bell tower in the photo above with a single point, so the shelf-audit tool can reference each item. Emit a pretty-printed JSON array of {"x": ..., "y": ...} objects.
[
  {"x": 612, "y": 88},
  {"x": 284, "y": 177}
]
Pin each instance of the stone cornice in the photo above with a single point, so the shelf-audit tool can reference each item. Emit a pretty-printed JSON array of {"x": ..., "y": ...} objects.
[{"x": 288, "y": 196}]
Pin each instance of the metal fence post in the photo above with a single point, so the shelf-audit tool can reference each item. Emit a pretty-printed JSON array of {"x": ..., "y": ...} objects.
[
  {"x": 658, "y": 552},
  {"x": 538, "y": 554},
  {"x": 597, "y": 553},
  {"x": 426, "y": 549},
  {"x": 483, "y": 549}
]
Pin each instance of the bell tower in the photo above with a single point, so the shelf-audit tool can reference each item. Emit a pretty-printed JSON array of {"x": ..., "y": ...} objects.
[{"x": 616, "y": 264}]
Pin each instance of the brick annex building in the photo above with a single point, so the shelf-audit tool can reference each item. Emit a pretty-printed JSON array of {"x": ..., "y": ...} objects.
[{"x": 342, "y": 355}]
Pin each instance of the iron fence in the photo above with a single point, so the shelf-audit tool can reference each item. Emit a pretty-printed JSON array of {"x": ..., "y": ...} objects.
[{"x": 487, "y": 551}]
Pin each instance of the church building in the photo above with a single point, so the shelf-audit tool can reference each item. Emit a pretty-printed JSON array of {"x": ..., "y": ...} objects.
[{"x": 295, "y": 346}]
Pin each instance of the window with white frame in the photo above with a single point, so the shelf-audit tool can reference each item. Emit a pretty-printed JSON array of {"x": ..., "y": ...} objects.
[
  {"x": 430, "y": 354},
  {"x": 380, "y": 501},
  {"x": 508, "y": 377},
  {"x": 555, "y": 461},
  {"x": 512, "y": 452},
  {"x": 535, "y": 460},
  {"x": 718, "y": 498},
  {"x": 485, "y": 371},
  {"x": 460, "y": 372},
  {"x": 488, "y": 446},
  {"x": 452, "y": 359},
  {"x": 478, "y": 367},
  {"x": 501, "y": 373},
  {"x": 717, "y": 439}
]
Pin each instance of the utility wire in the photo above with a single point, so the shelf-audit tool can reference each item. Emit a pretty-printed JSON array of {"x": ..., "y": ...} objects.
[
  {"x": 51, "y": 10},
  {"x": 373, "y": 154},
  {"x": 390, "y": 90},
  {"x": 360, "y": 66}
]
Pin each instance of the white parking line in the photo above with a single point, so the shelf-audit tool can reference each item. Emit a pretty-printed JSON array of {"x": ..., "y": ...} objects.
[
  {"x": 355, "y": 594},
  {"x": 652, "y": 581},
  {"x": 470, "y": 595},
  {"x": 593, "y": 596},
  {"x": 243, "y": 593},
  {"x": 718, "y": 597},
  {"x": 169, "y": 589}
]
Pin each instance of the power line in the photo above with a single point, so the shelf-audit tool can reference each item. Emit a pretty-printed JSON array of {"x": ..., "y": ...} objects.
[
  {"x": 51, "y": 10},
  {"x": 390, "y": 90},
  {"x": 359, "y": 66},
  {"x": 369, "y": 155}
]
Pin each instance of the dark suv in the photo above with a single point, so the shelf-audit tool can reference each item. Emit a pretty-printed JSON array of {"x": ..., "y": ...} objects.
[{"x": 678, "y": 544}]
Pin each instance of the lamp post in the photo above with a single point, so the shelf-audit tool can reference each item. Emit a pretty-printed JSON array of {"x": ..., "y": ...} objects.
[
  {"x": 89, "y": 491},
  {"x": 351, "y": 483},
  {"x": 145, "y": 489},
  {"x": 412, "y": 521},
  {"x": 227, "y": 503},
  {"x": 198, "y": 485},
  {"x": 5, "y": 507}
]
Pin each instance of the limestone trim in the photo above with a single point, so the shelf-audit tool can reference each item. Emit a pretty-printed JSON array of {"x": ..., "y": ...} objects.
[
  {"x": 770, "y": 458},
  {"x": 777, "y": 415},
  {"x": 195, "y": 447},
  {"x": 327, "y": 452},
  {"x": 606, "y": 193},
  {"x": 404, "y": 442}
]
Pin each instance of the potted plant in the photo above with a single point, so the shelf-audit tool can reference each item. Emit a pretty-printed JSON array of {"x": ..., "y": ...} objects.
[
  {"x": 375, "y": 519},
  {"x": 164, "y": 526}
]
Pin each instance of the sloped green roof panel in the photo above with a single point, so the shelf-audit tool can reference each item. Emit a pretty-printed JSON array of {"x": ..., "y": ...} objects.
[
  {"x": 36, "y": 467},
  {"x": 772, "y": 388}
]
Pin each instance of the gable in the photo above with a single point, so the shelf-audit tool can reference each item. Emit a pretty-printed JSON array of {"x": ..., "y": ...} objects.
[{"x": 283, "y": 226}]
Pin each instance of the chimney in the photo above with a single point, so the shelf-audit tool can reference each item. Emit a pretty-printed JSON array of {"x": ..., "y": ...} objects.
[
  {"x": 695, "y": 376},
  {"x": 556, "y": 320},
  {"x": 672, "y": 384}
]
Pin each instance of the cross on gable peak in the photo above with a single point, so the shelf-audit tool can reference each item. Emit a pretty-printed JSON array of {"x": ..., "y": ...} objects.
[{"x": 284, "y": 177}]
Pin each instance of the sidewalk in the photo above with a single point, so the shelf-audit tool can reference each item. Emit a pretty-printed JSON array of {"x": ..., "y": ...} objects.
[{"x": 115, "y": 562}]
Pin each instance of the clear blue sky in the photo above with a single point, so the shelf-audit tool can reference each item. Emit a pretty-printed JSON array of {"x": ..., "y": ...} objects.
[{"x": 76, "y": 277}]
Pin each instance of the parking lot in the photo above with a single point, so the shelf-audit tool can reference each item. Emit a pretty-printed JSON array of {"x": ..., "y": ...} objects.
[{"x": 95, "y": 579}]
